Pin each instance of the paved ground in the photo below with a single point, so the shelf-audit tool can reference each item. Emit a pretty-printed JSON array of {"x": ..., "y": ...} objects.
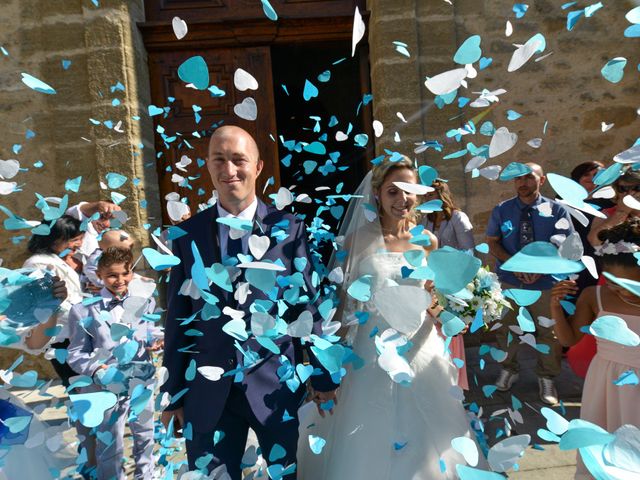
[{"x": 550, "y": 463}]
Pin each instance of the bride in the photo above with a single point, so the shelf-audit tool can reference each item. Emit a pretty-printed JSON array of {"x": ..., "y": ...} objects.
[{"x": 395, "y": 415}]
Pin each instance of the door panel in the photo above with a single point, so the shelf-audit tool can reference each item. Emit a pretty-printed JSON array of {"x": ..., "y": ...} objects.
[{"x": 181, "y": 120}]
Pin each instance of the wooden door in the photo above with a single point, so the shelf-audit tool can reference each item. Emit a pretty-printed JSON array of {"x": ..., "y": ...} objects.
[{"x": 180, "y": 123}]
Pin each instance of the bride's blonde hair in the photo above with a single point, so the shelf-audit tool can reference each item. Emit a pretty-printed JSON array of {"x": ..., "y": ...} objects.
[{"x": 379, "y": 174}]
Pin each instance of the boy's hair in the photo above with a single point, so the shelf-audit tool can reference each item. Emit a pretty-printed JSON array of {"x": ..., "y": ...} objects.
[{"x": 114, "y": 255}]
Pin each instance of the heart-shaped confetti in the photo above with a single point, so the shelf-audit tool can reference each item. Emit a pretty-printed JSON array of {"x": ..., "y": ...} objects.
[
  {"x": 310, "y": 91},
  {"x": 446, "y": 82},
  {"x": 195, "y": 71},
  {"x": 613, "y": 71},
  {"x": 469, "y": 51},
  {"x": 258, "y": 246},
  {"x": 243, "y": 80},
  {"x": 180, "y": 28},
  {"x": 212, "y": 374},
  {"x": 159, "y": 261},
  {"x": 37, "y": 85},
  {"x": 247, "y": 109},
  {"x": 9, "y": 169},
  {"x": 91, "y": 407},
  {"x": 614, "y": 329},
  {"x": 502, "y": 141}
]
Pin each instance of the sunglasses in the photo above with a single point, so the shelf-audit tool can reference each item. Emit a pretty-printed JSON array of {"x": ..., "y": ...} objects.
[{"x": 628, "y": 188}]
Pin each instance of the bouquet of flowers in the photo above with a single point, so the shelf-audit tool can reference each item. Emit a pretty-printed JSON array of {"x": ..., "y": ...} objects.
[{"x": 482, "y": 293}]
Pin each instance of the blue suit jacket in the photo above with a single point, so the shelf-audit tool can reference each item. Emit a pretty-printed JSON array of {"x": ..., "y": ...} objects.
[{"x": 268, "y": 397}]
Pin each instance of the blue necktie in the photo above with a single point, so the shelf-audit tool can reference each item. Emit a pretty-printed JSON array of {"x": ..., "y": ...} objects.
[
  {"x": 234, "y": 247},
  {"x": 526, "y": 226}
]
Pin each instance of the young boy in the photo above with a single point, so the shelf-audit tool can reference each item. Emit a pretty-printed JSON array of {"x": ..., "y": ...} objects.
[
  {"x": 111, "y": 238},
  {"x": 112, "y": 343}
]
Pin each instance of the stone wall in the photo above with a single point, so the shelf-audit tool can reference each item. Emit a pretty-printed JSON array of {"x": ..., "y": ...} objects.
[
  {"x": 104, "y": 47},
  {"x": 566, "y": 89}
]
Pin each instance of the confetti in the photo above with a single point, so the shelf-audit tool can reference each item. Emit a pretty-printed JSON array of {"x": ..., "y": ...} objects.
[
  {"x": 613, "y": 71},
  {"x": 37, "y": 85},
  {"x": 469, "y": 51},
  {"x": 195, "y": 71},
  {"x": 247, "y": 109},
  {"x": 269, "y": 11},
  {"x": 180, "y": 28},
  {"x": 614, "y": 329},
  {"x": 244, "y": 81}
]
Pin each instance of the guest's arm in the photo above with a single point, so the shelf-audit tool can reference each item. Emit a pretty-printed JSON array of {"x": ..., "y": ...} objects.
[
  {"x": 85, "y": 210},
  {"x": 568, "y": 330},
  {"x": 463, "y": 229},
  {"x": 37, "y": 338},
  {"x": 82, "y": 358},
  {"x": 496, "y": 249},
  {"x": 494, "y": 237}
]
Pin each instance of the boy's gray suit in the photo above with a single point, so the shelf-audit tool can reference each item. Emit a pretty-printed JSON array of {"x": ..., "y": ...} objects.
[{"x": 93, "y": 345}]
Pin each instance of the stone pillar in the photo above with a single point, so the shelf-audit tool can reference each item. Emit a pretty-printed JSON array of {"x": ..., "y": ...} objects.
[{"x": 104, "y": 48}]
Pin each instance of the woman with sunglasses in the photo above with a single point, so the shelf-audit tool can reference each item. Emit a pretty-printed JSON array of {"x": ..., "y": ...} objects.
[{"x": 627, "y": 184}]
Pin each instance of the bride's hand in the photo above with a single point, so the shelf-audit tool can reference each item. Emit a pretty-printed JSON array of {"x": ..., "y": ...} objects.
[{"x": 323, "y": 397}]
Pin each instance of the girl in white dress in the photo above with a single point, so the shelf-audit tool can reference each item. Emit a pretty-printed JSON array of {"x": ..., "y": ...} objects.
[{"x": 395, "y": 416}]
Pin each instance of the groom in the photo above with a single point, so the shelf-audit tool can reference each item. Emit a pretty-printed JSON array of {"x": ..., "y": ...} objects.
[{"x": 216, "y": 413}]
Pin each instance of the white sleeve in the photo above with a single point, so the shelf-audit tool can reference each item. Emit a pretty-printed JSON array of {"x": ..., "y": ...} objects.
[
  {"x": 24, "y": 333},
  {"x": 75, "y": 212}
]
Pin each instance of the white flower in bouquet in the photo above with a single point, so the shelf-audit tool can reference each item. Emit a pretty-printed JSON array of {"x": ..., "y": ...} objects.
[{"x": 487, "y": 296}]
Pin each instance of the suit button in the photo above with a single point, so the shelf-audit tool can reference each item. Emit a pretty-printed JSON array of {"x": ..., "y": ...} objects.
[{"x": 230, "y": 361}]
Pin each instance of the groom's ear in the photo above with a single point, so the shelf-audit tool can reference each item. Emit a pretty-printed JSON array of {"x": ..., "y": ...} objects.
[{"x": 259, "y": 167}]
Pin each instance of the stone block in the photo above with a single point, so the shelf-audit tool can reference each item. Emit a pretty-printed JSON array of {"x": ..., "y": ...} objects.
[
  {"x": 32, "y": 10},
  {"x": 620, "y": 115},
  {"x": 381, "y": 8},
  {"x": 438, "y": 33},
  {"x": 106, "y": 32},
  {"x": 36, "y": 40},
  {"x": 396, "y": 82}
]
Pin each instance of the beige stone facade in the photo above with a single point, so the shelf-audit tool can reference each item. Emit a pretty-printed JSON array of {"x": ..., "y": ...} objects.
[
  {"x": 566, "y": 89},
  {"x": 104, "y": 47}
]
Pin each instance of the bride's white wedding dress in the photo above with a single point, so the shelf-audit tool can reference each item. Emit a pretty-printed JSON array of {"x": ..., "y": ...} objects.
[{"x": 382, "y": 429}]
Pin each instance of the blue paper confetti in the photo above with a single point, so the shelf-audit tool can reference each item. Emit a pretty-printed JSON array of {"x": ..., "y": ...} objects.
[
  {"x": 195, "y": 71},
  {"x": 613, "y": 71},
  {"x": 469, "y": 51},
  {"x": 37, "y": 85}
]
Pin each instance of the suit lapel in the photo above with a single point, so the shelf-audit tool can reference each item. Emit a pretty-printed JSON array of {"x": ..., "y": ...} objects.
[
  {"x": 211, "y": 240},
  {"x": 260, "y": 227}
]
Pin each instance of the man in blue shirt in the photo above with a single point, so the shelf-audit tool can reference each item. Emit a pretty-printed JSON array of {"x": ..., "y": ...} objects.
[{"x": 514, "y": 223}]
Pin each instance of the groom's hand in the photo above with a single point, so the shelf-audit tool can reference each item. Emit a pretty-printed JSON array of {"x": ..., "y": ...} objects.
[
  {"x": 323, "y": 397},
  {"x": 178, "y": 422}
]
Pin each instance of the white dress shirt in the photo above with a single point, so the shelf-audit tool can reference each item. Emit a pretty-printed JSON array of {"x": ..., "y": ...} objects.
[{"x": 223, "y": 230}]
